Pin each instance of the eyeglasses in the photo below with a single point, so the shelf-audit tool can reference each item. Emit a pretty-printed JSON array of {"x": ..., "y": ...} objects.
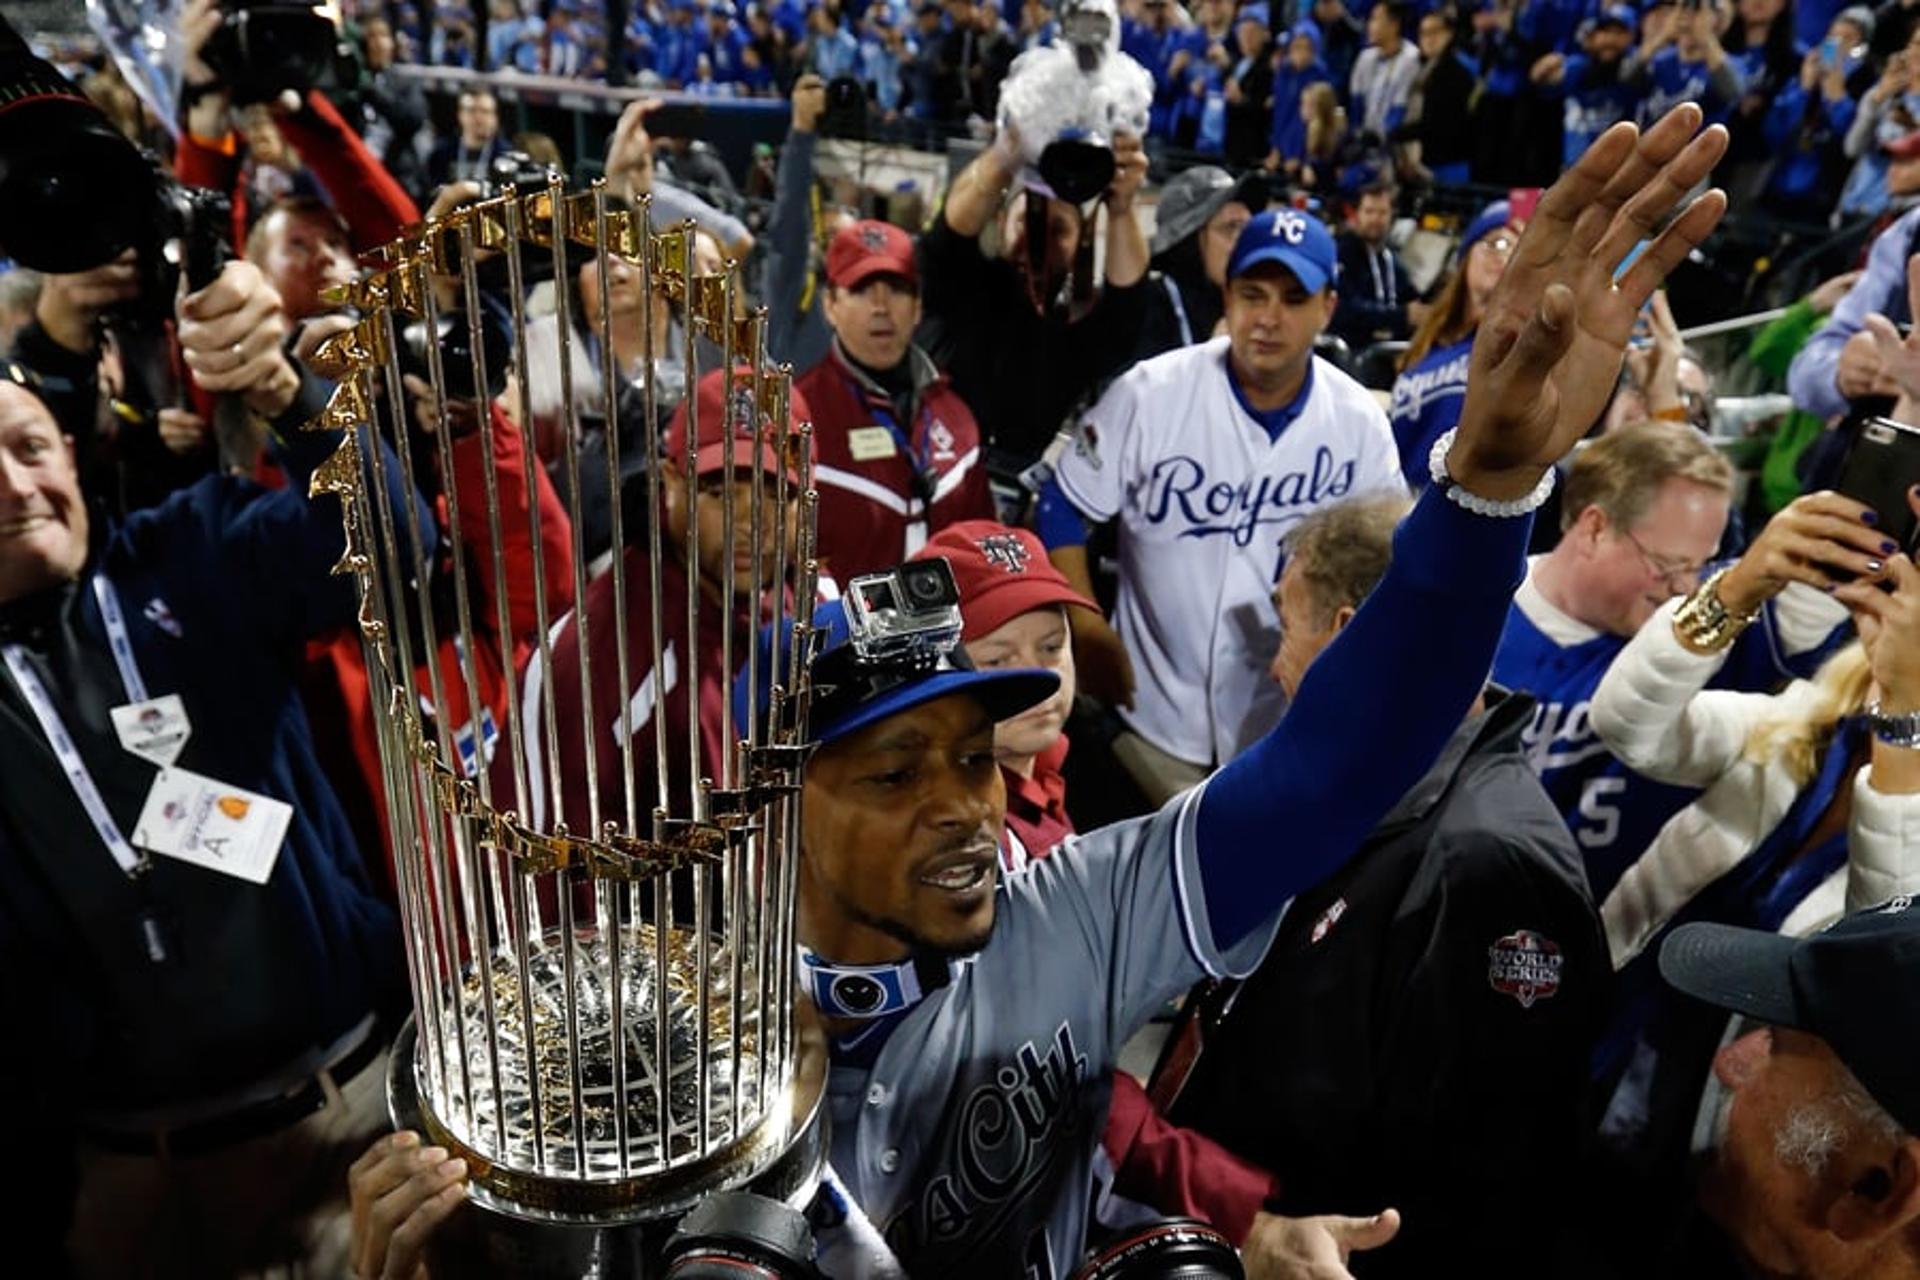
[
  {"x": 1686, "y": 572},
  {"x": 1500, "y": 243}
]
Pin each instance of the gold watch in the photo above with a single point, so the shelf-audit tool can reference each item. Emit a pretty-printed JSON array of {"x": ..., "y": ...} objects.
[{"x": 1703, "y": 624}]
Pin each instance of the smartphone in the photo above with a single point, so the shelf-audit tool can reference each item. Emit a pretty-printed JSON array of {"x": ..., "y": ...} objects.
[
  {"x": 1830, "y": 51},
  {"x": 1882, "y": 465},
  {"x": 678, "y": 120}
]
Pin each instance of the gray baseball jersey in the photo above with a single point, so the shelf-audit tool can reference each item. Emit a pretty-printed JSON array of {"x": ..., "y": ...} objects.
[{"x": 970, "y": 1141}]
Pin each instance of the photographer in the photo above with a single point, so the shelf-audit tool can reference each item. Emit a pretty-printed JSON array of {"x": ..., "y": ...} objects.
[
  {"x": 209, "y": 1113},
  {"x": 631, "y": 173},
  {"x": 1020, "y": 356},
  {"x": 368, "y": 201}
]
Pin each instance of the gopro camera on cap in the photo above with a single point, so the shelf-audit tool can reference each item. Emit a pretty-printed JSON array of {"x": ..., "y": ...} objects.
[{"x": 910, "y": 613}]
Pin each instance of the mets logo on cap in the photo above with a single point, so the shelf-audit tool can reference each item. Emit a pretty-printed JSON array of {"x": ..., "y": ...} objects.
[
  {"x": 1004, "y": 550},
  {"x": 740, "y": 415},
  {"x": 1525, "y": 965}
]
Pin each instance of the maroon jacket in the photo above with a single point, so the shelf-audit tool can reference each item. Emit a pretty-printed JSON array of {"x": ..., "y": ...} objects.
[
  {"x": 871, "y": 517},
  {"x": 648, "y": 694}
]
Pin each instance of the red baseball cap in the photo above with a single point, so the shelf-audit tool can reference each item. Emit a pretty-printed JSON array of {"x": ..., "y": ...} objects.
[
  {"x": 865, "y": 249},
  {"x": 1905, "y": 147},
  {"x": 724, "y": 417},
  {"x": 1002, "y": 573}
]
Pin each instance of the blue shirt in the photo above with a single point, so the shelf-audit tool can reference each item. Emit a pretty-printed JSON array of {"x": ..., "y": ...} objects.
[
  {"x": 1426, "y": 404},
  {"x": 1613, "y": 812},
  {"x": 1592, "y": 105},
  {"x": 1674, "y": 81},
  {"x": 1289, "y": 135},
  {"x": 1810, "y": 377}
]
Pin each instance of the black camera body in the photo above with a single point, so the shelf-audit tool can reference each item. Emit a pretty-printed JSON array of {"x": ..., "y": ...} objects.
[
  {"x": 846, "y": 113},
  {"x": 266, "y": 47},
  {"x": 513, "y": 169},
  {"x": 65, "y": 173}
]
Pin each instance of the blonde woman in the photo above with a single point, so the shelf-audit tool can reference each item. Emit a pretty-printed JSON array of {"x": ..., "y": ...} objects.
[
  {"x": 1807, "y": 810},
  {"x": 1326, "y": 133}
]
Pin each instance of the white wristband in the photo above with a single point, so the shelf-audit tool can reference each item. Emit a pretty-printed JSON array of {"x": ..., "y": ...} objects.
[{"x": 1437, "y": 468}]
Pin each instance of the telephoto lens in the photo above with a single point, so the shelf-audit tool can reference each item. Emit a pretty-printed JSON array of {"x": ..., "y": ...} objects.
[
  {"x": 736, "y": 1235},
  {"x": 1169, "y": 1249},
  {"x": 73, "y": 191}
]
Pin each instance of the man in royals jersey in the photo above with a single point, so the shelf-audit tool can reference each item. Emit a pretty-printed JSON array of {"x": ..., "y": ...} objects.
[
  {"x": 1643, "y": 509},
  {"x": 1206, "y": 456}
]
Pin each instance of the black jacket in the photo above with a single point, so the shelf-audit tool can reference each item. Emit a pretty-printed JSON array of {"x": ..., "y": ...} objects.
[
  {"x": 1418, "y": 1034},
  {"x": 1373, "y": 294}
]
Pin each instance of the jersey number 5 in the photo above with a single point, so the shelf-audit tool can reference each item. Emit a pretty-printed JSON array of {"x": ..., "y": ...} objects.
[{"x": 1602, "y": 815}]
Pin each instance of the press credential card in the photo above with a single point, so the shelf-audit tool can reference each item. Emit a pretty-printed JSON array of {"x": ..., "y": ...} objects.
[
  {"x": 155, "y": 730},
  {"x": 213, "y": 825}
]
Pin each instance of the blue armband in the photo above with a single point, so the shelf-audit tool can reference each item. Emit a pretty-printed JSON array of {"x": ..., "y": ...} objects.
[{"x": 1058, "y": 522}]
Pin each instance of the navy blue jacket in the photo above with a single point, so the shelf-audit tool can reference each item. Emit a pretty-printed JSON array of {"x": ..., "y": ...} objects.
[{"x": 220, "y": 585}]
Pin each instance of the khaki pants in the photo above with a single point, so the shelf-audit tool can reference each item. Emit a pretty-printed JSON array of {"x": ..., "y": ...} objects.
[
  {"x": 275, "y": 1206},
  {"x": 1159, "y": 776}
]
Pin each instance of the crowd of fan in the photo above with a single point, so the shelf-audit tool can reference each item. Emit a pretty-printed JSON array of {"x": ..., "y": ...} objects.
[
  {"x": 1464, "y": 1032},
  {"x": 1819, "y": 96}
]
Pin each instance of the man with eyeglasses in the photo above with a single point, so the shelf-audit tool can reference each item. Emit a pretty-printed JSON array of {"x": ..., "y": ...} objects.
[{"x": 1643, "y": 512}]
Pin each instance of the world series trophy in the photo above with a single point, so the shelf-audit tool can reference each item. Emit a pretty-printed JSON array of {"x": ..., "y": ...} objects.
[{"x": 603, "y": 1021}]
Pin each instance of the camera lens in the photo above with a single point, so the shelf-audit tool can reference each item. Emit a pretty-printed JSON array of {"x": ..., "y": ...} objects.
[
  {"x": 736, "y": 1235},
  {"x": 1171, "y": 1249},
  {"x": 928, "y": 585}
]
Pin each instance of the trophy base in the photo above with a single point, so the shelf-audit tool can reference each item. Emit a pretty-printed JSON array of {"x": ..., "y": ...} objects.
[{"x": 621, "y": 1237}]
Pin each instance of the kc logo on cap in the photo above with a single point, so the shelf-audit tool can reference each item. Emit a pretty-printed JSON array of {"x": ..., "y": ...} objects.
[{"x": 1290, "y": 226}]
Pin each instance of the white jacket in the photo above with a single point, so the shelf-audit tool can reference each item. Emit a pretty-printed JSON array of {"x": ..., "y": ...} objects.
[{"x": 1655, "y": 713}]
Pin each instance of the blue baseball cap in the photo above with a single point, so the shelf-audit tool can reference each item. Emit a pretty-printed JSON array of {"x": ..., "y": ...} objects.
[
  {"x": 1255, "y": 12},
  {"x": 1297, "y": 241},
  {"x": 1620, "y": 15},
  {"x": 848, "y": 706},
  {"x": 1494, "y": 217}
]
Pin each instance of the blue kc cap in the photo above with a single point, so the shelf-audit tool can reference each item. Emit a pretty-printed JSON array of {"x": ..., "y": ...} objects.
[
  {"x": 1297, "y": 241},
  {"x": 855, "y": 696}
]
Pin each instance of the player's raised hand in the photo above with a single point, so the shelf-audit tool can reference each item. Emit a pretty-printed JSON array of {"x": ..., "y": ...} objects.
[{"x": 1549, "y": 349}]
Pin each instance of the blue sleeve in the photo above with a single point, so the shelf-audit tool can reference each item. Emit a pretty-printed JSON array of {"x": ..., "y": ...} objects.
[
  {"x": 1810, "y": 379},
  {"x": 1367, "y": 723},
  {"x": 1058, "y": 522},
  {"x": 1840, "y": 114}
]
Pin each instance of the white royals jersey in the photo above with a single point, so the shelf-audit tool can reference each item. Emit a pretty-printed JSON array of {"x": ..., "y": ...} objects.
[{"x": 1204, "y": 498}]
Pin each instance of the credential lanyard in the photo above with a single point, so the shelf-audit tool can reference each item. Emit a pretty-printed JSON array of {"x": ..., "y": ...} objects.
[{"x": 40, "y": 702}]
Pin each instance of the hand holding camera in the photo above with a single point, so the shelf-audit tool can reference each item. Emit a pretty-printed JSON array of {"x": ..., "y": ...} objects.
[{"x": 230, "y": 335}]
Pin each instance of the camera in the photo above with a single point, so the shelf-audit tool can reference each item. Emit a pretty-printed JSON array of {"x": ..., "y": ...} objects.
[
  {"x": 512, "y": 169},
  {"x": 737, "y": 1235},
  {"x": 265, "y": 47},
  {"x": 846, "y": 113},
  {"x": 455, "y": 340},
  {"x": 908, "y": 616},
  {"x": 1070, "y": 99},
  {"x": 65, "y": 172},
  {"x": 1167, "y": 1249}
]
